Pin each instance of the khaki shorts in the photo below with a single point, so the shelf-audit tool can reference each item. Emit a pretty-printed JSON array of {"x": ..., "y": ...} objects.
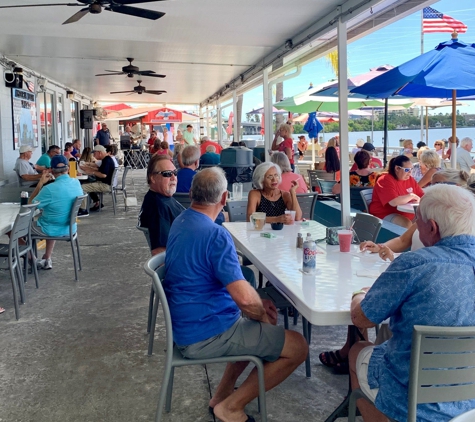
[
  {"x": 245, "y": 337},
  {"x": 362, "y": 363},
  {"x": 37, "y": 230}
]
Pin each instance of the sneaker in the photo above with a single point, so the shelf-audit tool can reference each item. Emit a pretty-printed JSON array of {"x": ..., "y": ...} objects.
[
  {"x": 83, "y": 213},
  {"x": 45, "y": 264}
]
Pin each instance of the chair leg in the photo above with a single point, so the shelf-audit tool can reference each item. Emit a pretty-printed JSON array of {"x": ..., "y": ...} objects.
[
  {"x": 163, "y": 391},
  {"x": 262, "y": 392},
  {"x": 113, "y": 200},
  {"x": 355, "y": 395},
  {"x": 150, "y": 308},
  {"x": 74, "y": 261},
  {"x": 152, "y": 326},
  {"x": 20, "y": 281},
  {"x": 15, "y": 292},
  {"x": 168, "y": 402},
  {"x": 78, "y": 250},
  {"x": 35, "y": 269},
  {"x": 101, "y": 201},
  {"x": 296, "y": 316},
  {"x": 286, "y": 318},
  {"x": 261, "y": 280}
]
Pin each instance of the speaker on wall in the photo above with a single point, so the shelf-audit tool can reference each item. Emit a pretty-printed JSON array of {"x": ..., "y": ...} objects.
[
  {"x": 13, "y": 80},
  {"x": 86, "y": 120}
]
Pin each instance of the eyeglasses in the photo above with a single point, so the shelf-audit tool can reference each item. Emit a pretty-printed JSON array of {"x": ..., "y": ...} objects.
[
  {"x": 167, "y": 173},
  {"x": 272, "y": 177},
  {"x": 406, "y": 169}
]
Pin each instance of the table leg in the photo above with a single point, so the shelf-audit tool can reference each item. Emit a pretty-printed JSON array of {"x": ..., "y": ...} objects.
[
  {"x": 342, "y": 410},
  {"x": 306, "y": 333}
]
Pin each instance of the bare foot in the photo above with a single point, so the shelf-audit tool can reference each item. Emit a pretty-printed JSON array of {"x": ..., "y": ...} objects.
[
  {"x": 219, "y": 398},
  {"x": 224, "y": 414}
]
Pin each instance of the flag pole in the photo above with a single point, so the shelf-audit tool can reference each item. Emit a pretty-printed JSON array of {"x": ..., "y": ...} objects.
[{"x": 422, "y": 52}]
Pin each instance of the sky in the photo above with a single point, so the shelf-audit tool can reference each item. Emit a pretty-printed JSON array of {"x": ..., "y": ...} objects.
[{"x": 394, "y": 44}]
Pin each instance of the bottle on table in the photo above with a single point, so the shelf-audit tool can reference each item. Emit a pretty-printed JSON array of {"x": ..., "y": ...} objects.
[{"x": 309, "y": 263}]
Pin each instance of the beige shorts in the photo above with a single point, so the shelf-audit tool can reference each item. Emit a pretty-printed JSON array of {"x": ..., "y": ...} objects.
[{"x": 362, "y": 363}]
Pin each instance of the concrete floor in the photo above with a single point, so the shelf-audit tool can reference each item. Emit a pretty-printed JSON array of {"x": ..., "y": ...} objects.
[{"x": 79, "y": 350}]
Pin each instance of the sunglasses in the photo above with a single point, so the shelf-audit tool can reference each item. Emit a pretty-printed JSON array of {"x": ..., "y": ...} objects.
[
  {"x": 406, "y": 169},
  {"x": 166, "y": 173}
]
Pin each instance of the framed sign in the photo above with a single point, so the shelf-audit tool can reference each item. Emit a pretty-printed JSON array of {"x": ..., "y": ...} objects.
[{"x": 25, "y": 125}]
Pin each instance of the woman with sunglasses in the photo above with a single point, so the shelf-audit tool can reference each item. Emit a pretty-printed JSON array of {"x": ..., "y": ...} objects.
[
  {"x": 439, "y": 148},
  {"x": 396, "y": 187}
]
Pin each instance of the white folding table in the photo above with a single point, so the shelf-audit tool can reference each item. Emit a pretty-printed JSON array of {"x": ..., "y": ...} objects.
[
  {"x": 8, "y": 213},
  {"x": 321, "y": 299}
]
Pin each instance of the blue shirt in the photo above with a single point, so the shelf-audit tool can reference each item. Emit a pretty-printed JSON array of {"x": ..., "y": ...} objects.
[
  {"x": 431, "y": 286},
  {"x": 56, "y": 200},
  {"x": 103, "y": 137},
  {"x": 184, "y": 176},
  {"x": 44, "y": 160},
  {"x": 201, "y": 261}
]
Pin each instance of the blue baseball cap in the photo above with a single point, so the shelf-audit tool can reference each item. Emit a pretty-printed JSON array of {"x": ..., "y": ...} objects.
[{"x": 59, "y": 162}]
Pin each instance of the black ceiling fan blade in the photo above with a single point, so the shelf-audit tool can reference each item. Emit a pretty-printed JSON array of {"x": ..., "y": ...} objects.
[
  {"x": 77, "y": 16},
  {"x": 40, "y": 5},
  {"x": 108, "y": 74},
  {"x": 155, "y": 92},
  {"x": 151, "y": 73},
  {"x": 135, "y": 11},
  {"x": 135, "y": 1},
  {"x": 121, "y": 92}
]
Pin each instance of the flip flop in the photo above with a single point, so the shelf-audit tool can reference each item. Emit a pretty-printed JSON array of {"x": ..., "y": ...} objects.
[
  {"x": 342, "y": 368},
  {"x": 331, "y": 359},
  {"x": 2, "y": 310},
  {"x": 249, "y": 418}
]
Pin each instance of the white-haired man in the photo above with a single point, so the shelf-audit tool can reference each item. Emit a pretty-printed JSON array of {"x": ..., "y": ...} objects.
[
  {"x": 26, "y": 171},
  {"x": 210, "y": 157},
  {"x": 207, "y": 292},
  {"x": 464, "y": 159},
  {"x": 434, "y": 285},
  {"x": 191, "y": 161},
  {"x": 205, "y": 142}
]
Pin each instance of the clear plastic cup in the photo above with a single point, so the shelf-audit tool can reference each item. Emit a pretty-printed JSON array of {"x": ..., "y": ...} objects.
[
  {"x": 345, "y": 237},
  {"x": 292, "y": 215}
]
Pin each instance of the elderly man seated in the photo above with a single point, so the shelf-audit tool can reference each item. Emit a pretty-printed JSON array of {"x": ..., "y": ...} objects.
[
  {"x": 191, "y": 161},
  {"x": 207, "y": 292},
  {"x": 206, "y": 142},
  {"x": 434, "y": 285},
  {"x": 26, "y": 171},
  {"x": 210, "y": 157}
]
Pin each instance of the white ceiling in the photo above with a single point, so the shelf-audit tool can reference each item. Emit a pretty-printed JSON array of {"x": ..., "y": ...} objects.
[{"x": 199, "y": 44}]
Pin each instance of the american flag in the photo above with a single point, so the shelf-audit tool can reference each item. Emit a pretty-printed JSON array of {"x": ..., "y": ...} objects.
[{"x": 434, "y": 21}]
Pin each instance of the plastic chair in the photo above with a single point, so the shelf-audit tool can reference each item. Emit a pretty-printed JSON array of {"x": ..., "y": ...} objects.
[
  {"x": 237, "y": 210},
  {"x": 20, "y": 229},
  {"x": 367, "y": 196},
  {"x": 441, "y": 368},
  {"x": 324, "y": 175},
  {"x": 183, "y": 198},
  {"x": 122, "y": 188},
  {"x": 307, "y": 203},
  {"x": 367, "y": 227},
  {"x": 112, "y": 192},
  {"x": 313, "y": 179},
  {"x": 155, "y": 268},
  {"x": 71, "y": 237}
]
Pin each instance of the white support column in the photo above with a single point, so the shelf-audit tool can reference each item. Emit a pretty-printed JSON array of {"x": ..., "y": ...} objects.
[
  {"x": 343, "y": 111},
  {"x": 235, "y": 123},
  {"x": 268, "y": 132},
  {"x": 219, "y": 124},
  {"x": 208, "y": 133}
]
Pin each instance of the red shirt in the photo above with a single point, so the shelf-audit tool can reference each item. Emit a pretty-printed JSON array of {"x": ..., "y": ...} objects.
[
  {"x": 287, "y": 143},
  {"x": 205, "y": 144},
  {"x": 373, "y": 164},
  {"x": 388, "y": 188}
]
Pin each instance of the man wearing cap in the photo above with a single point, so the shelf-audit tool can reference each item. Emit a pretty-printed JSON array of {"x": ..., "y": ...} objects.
[
  {"x": 103, "y": 136},
  {"x": 44, "y": 162},
  {"x": 56, "y": 200},
  {"x": 374, "y": 163},
  {"x": 103, "y": 177},
  {"x": 26, "y": 171},
  {"x": 302, "y": 146}
]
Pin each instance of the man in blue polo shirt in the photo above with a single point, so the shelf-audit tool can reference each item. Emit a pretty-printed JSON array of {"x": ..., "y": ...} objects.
[
  {"x": 56, "y": 200},
  {"x": 103, "y": 136},
  {"x": 191, "y": 161},
  {"x": 44, "y": 162},
  {"x": 207, "y": 293}
]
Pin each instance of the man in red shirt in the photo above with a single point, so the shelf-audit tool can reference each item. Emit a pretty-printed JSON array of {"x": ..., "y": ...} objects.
[
  {"x": 374, "y": 163},
  {"x": 205, "y": 141}
]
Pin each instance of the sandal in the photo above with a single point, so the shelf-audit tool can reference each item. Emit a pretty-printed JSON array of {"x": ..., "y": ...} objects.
[
  {"x": 2, "y": 310},
  {"x": 331, "y": 359}
]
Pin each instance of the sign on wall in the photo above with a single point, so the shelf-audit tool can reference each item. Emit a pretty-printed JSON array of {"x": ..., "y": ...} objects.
[{"x": 25, "y": 125}]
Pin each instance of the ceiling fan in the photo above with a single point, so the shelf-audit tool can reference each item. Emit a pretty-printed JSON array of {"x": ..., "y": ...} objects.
[
  {"x": 130, "y": 70},
  {"x": 139, "y": 89},
  {"x": 95, "y": 7}
]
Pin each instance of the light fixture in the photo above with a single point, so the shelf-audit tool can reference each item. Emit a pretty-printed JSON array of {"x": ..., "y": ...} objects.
[{"x": 70, "y": 95}]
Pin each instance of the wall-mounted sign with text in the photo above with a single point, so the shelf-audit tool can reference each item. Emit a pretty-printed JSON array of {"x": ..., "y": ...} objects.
[{"x": 25, "y": 125}]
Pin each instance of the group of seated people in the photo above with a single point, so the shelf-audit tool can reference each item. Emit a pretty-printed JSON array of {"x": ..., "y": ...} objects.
[{"x": 432, "y": 285}]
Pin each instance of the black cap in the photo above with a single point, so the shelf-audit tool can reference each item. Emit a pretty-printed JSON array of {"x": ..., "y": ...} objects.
[{"x": 368, "y": 146}]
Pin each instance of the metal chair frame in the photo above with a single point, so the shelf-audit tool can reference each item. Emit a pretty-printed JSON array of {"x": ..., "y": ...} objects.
[
  {"x": 367, "y": 196},
  {"x": 155, "y": 268},
  {"x": 183, "y": 198},
  {"x": 123, "y": 187},
  {"x": 367, "y": 227},
  {"x": 307, "y": 203}
]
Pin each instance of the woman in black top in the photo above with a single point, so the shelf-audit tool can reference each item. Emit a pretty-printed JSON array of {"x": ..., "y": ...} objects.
[{"x": 268, "y": 198}]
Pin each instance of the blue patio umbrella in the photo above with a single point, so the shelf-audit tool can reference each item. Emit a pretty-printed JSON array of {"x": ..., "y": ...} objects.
[
  {"x": 448, "y": 71},
  {"x": 312, "y": 126}
]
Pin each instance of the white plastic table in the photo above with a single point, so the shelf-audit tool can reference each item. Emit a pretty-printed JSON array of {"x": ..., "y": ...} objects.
[
  {"x": 324, "y": 298},
  {"x": 8, "y": 213},
  {"x": 409, "y": 208}
]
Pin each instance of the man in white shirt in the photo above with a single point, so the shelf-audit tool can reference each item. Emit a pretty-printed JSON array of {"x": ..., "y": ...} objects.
[
  {"x": 464, "y": 159},
  {"x": 26, "y": 171}
]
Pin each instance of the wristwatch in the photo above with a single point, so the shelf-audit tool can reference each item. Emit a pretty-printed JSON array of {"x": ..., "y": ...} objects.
[{"x": 358, "y": 292}]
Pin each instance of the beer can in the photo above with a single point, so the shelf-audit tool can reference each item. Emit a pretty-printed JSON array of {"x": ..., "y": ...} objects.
[{"x": 309, "y": 263}]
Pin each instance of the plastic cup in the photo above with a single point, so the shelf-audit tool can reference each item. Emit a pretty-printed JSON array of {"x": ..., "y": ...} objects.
[
  {"x": 258, "y": 220},
  {"x": 292, "y": 215},
  {"x": 345, "y": 237}
]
